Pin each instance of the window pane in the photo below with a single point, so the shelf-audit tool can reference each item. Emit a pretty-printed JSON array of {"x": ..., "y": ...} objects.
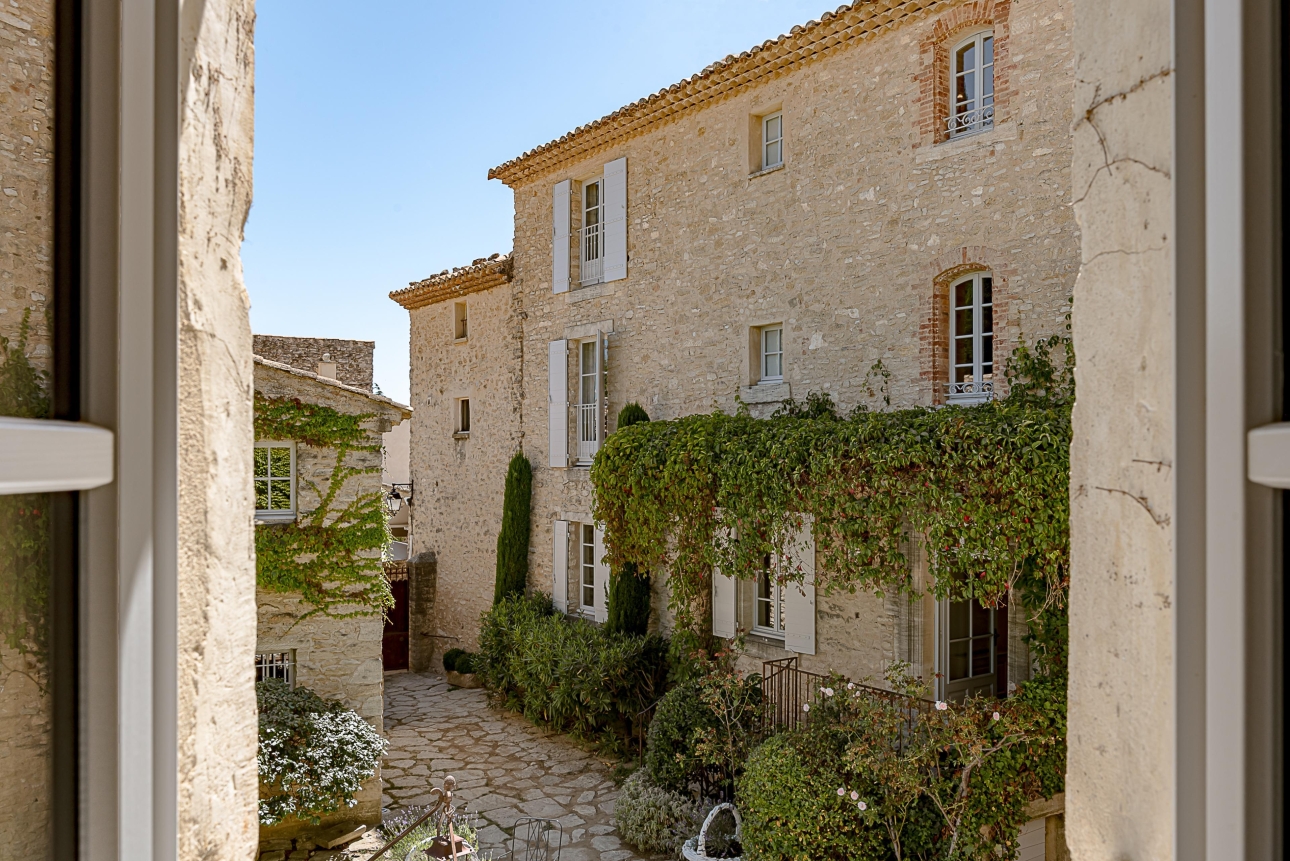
[
  {"x": 261, "y": 495},
  {"x": 592, "y": 190},
  {"x": 963, "y": 294},
  {"x": 987, "y": 351},
  {"x": 981, "y": 618},
  {"x": 772, "y": 128},
  {"x": 773, "y": 337},
  {"x": 261, "y": 461},
  {"x": 963, "y": 351},
  {"x": 960, "y": 620},
  {"x": 774, "y": 365},
  {"x": 959, "y": 660},
  {"x": 987, "y": 290},
  {"x": 772, "y": 154},
  {"x": 982, "y": 654},
  {"x": 280, "y": 498},
  {"x": 963, "y": 322},
  {"x": 988, "y": 46},
  {"x": 965, "y": 61},
  {"x": 280, "y": 462}
]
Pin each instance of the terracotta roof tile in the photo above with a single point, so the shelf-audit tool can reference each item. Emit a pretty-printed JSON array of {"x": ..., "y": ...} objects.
[{"x": 482, "y": 274}]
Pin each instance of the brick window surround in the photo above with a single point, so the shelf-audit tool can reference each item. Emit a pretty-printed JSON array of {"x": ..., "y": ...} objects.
[
  {"x": 933, "y": 76},
  {"x": 934, "y": 330}
]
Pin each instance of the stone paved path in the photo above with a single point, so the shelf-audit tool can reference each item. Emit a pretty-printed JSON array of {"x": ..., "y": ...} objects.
[{"x": 505, "y": 767}]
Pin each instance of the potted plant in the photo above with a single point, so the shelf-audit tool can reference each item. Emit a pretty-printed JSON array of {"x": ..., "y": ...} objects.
[
  {"x": 721, "y": 843},
  {"x": 459, "y": 668}
]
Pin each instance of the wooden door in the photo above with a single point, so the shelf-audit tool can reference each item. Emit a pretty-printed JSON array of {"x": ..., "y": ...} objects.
[{"x": 394, "y": 644}]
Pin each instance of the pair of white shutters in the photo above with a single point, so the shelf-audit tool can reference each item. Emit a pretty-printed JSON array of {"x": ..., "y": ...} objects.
[
  {"x": 558, "y": 397},
  {"x": 614, "y": 208},
  {"x": 562, "y": 535},
  {"x": 799, "y": 598}
]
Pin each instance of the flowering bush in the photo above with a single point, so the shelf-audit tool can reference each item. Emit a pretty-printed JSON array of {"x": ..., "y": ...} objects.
[
  {"x": 653, "y": 819},
  {"x": 314, "y": 754}
]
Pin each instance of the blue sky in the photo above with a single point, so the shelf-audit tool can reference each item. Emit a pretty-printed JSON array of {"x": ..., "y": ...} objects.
[{"x": 376, "y": 124}]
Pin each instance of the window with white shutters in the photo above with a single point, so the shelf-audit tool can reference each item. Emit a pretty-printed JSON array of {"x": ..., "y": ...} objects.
[
  {"x": 614, "y": 214},
  {"x": 560, "y": 566},
  {"x": 560, "y": 213},
  {"x": 591, "y": 238},
  {"x": 590, "y": 398},
  {"x": 558, "y": 403}
]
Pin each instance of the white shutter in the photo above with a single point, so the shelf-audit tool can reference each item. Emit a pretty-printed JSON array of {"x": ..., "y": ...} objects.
[
  {"x": 560, "y": 566},
  {"x": 616, "y": 220},
  {"x": 600, "y": 578},
  {"x": 799, "y": 598},
  {"x": 560, "y": 209},
  {"x": 724, "y": 617},
  {"x": 602, "y": 425},
  {"x": 558, "y": 402}
]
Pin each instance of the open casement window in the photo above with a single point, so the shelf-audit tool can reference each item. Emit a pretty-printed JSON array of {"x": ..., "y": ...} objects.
[
  {"x": 591, "y": 397},
  {"x": 275, "y": 482},
  {"x": 972, "y": 85},
  {"x": 591, "y": 238},
  {"x": 593, "y": 573},
  {"x": 599, "y": 210},
  {"x": 772, "y": 140},
  {"x": 780, "y": 606},
  {"x": 969, "y": 657},
  {"x": 971, "y": 339}
]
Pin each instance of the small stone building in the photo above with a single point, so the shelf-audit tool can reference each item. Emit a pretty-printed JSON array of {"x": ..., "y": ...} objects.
[
  {"x": 885, "y": 185},
  {"x": 312, "y": 643}
]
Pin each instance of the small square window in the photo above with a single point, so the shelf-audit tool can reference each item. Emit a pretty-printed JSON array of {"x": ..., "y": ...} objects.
[
  {"x": 276, "y": 665},
  {"x": 772, "y": 140},
  {"x": 275, "y": 485},
  {"x": 771, "y": 359},
  {"x": 459, "y": 327},
  {"x": 462, "y": 416}
]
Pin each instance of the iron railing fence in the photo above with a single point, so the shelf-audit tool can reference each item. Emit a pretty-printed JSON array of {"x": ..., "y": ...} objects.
[
  {"x": 588, "y": 431},
  {"x": 786, "y": 689},
  {"x": 591, "y": 258}
]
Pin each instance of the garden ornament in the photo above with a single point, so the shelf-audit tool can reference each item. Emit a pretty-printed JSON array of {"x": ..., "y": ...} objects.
[
  {"x": 696, "y": 848},
  {"x": 447, "y": 845},
  {"x": 532, "y": 840}
]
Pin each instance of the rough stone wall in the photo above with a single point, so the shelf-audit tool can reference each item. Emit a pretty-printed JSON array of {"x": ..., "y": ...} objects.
[
  {"x": 1120, "y": 772},
  {"x": 353, "y": 358},
  {"x": 26, "y": 180},
  {"x": 337, "y": 658},
  {"x": 459, "y": 482},
  {"x": 217, "y": 721},
  {"x": 843, "y": 245}
]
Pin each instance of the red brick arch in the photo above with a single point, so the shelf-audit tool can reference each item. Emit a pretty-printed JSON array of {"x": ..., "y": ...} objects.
[
  {"x": 933, "y": 76},
  {"x": 934, "y": 330}
]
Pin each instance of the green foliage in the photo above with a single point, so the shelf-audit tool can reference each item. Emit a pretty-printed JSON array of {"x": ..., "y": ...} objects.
[
  {"x": 566, "y": 673},
  {"x": 314, "y": 754},
  {"x": 977, "y": 484},
  {"x": 628, "y": 601},
  {"x": 467, "y": 663},
  {"x": 450, "y": 659},
  {"x": 513, "y": 540},
  {"x": 24, "y": 518},
  {"x": 670, "y": 757},
  {"x": 631, "y": 414},
  {"x": 330, "y": 557},
  {"x": 653, "y": 819}
]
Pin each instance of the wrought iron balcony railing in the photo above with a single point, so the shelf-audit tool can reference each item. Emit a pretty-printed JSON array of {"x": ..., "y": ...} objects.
[
  {"x": 966, "y": 122},
  {"x": 591, "y": 255},
  {"x": 588, "y": 431},
  {"x": 969, "y": 392}
]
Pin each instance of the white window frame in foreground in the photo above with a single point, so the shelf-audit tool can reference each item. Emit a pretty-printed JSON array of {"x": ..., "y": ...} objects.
[
  {"x": 272, "y": 513},
  {"x": 972, "y": 85},
  {"x": 971, "y": 358},
  {"x": 771, "y": 355},
  {"x": 591, "y": 236},
  {"x": 768, "y": 594},
  {"x": 772, "y": 140},
  {"x": 276, "y": 665}
]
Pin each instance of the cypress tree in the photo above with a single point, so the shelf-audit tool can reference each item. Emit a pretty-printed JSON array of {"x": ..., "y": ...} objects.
[
  {"x": 513, "y": 540},
  {"x": 629, "y": 598}
]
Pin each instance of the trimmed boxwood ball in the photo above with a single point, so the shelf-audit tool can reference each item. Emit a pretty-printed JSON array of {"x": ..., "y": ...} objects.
[
  {"x": 631, "y": 414},
  {"x": 513, "y": 540},
  {"x": 669, "y": 747},
  {"x": 450, "y": 659}
]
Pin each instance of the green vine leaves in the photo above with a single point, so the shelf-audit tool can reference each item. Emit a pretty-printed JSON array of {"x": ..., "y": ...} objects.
[
  {"x": 329, "y": 556},
  {"x": 983, "y": 487}
]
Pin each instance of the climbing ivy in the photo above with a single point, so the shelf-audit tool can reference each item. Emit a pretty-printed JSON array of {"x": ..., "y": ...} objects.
[
  {"x": 24, "y": 518},
  {"x": 984, "y": 487},
  {"x": 326, "y": 556}
]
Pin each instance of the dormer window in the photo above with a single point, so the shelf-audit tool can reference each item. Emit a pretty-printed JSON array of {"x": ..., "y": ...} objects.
[{"x": 972, "y": 86}]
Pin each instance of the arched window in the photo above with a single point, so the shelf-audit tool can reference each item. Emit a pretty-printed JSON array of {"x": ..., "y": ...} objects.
[
  {"x": 971, "y": 339},
  {"x": 972, "y": 85}
]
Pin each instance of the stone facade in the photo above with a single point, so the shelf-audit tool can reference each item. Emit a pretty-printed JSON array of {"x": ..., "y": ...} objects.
[
  {"x": 851, "y": 246},
  {"x": 353, "y": 359},
  {"x": 338, "y": 658}
]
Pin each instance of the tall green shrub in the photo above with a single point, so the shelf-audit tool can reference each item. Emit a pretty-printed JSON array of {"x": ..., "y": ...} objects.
[
  {"x": 632, "y": 414},
  {"x": 629, "y": 601},
  {"x": 513, "y": 540}
]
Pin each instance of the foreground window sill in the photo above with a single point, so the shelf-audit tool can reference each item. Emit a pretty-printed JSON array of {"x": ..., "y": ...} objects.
[
  {"x": 767, "y": 170},
  {"x": 275, "y": 517}
]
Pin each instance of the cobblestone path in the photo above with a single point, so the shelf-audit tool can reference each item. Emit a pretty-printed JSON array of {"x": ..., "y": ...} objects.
[{"x": 506, "y": 768}]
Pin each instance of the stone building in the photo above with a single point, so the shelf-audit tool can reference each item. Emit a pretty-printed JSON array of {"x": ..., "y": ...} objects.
[
  {"x": 336, "y": 656},
  {"x": 776, "y": 225}
]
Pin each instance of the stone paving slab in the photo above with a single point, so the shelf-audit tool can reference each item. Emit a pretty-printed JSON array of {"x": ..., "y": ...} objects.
[{"x": 505, "y": 767}]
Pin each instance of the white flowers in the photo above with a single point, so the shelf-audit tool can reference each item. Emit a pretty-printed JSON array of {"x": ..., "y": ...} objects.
[
  {"x": 942, "y": 706},
  {"x": 851, "y": 686},
  {"x": 995, "y": 716},
  {"x": 806, "y": 707},
  {"x": 828, "y": 692},
  {"x": 862, "y": 806},
  {"x": 855, "y": 796},
  {"x": 842, "y": 790}
]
